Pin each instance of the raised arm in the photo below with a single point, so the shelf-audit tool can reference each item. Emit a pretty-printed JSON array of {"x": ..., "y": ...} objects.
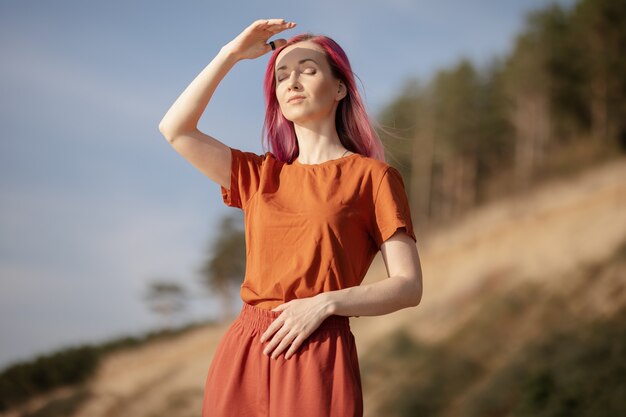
[{"x": 179, "y": 125}]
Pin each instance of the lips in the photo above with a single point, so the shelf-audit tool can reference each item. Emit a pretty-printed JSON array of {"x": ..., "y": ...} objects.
[{"x": 295, "y": 97}]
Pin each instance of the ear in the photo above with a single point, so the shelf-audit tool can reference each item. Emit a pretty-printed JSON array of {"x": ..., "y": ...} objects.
[{"x": 341, "y": 91}]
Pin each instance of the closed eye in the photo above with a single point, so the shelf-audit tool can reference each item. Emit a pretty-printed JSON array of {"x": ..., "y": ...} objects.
[{"x": 279, "y": 79}]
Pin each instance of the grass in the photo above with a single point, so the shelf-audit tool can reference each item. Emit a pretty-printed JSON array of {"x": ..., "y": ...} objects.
[
  {"x": 71, "y": 366},
  {"x": 569, "y": 366}
]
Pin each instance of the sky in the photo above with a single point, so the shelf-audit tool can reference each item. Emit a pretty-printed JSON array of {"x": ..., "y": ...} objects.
[{"x": 95, "y": 203}]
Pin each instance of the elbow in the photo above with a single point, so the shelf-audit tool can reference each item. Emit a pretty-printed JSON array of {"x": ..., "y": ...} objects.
[
  {"x": 416, "y": 300},
  {"x": 166, "y": 132},
  {"x": 162, "y": 125},
  {"x": 417, "y": 295},
  {"x": 172, "y": 133},
  {"x": 163, "y": 128}
]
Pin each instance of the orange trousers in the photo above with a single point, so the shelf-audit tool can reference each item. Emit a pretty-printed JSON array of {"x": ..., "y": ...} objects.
[{"x": 321, "y": 379}]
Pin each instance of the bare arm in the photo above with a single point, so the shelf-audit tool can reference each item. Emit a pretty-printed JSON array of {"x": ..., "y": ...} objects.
[
  {"x": 402, "y": 289},
  {"x": 184, "y": 114},
  {"x": 179, "y": 125}
]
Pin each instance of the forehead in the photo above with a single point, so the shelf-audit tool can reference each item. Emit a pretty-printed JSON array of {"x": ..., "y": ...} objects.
[{"x": 291, "y": 55}]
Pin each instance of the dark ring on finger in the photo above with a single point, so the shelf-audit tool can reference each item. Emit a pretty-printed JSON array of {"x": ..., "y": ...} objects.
[{"x": 271, "y": 43}]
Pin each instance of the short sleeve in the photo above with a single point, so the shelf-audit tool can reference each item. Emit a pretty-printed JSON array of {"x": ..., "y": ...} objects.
[
  {"x": 245, "y": 176},
  {"x": 391, "y": 208}
]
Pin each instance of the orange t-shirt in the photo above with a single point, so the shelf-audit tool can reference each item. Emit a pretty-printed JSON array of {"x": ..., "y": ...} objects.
[{"x": 311, "y": 228}]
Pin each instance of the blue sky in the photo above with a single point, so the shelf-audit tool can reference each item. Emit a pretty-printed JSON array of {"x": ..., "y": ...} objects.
[{"x": 95, "y": 203}]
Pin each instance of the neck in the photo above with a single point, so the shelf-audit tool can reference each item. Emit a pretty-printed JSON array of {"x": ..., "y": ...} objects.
[{"x": 318, "y": 145}]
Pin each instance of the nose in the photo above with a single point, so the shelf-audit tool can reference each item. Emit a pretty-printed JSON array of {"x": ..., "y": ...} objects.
[{"x": 292, "y": 81}]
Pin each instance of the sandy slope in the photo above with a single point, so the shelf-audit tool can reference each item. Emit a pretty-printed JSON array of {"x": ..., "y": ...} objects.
[
  {"x": 554, "y": 229},
  {"x": 551, "y": 231}
]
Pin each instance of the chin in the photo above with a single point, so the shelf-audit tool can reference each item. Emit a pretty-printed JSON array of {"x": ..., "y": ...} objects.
[{"x": 296, "y": 118}]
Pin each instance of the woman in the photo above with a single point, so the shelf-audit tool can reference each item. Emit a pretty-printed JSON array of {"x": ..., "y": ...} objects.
[{"x": 318, "y": 207}]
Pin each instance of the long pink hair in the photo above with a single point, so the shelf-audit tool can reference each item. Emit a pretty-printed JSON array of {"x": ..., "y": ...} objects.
[{"x": 352, "y": 122}]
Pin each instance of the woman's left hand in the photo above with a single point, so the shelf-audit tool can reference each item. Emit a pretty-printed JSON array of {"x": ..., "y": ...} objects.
[{"x": 299, "y": 318}]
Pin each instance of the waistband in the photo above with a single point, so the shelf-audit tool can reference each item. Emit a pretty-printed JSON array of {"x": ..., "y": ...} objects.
[{"x": 261, "y": 318}]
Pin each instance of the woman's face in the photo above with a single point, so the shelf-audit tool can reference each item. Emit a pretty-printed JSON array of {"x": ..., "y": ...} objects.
[{"x": 302, "y": 70}]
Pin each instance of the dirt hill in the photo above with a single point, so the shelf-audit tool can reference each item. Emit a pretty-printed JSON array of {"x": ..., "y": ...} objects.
[{"x": 544, "y": 239}]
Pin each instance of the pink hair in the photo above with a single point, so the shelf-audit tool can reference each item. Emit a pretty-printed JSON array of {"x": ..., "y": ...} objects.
[{"x": 353, "y": 124}]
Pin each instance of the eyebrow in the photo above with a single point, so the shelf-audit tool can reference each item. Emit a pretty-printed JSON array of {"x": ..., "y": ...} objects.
[{"x": 299, "y": 62}]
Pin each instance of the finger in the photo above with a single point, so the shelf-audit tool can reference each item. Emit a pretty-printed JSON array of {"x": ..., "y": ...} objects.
[
  {"x": 267, "y": 334},
  {"x": 283, "y": 345},
  {"x": 271, "y": 31},
  {"x": 269, "y": 47},
  {"x": 280, "y": 26},
  {"x": 272, "y": 341},
  {"x": 276, "y": 21},
  {"x": 295, "y": 345},
  {"x": 263, "y": 23},
  {"x": 278, "y": 337},
  {"x": 259, "y": 23},
  {"x": 277, "y": 43},
  {"x": 276, "y": 27},
  {"x": 273, "y": 327}
]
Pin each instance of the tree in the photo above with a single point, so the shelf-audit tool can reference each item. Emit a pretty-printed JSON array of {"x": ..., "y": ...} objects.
[
  {"x": 527, "y": 87},
  {"x": 166, "y": 298},
  {"x": 224, "y": 268},
  {"x": 456, "y": 130},
  {"x": 600, "y": 28}
]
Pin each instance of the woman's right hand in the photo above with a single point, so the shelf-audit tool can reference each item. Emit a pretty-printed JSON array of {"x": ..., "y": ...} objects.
[{"x": 252, "y": 42}]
